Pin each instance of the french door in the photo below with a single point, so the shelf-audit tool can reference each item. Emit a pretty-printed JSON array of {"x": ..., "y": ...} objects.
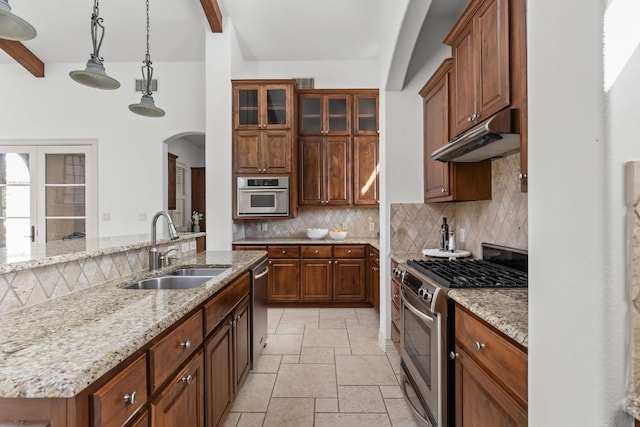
[{"x": 47, "y": 193}]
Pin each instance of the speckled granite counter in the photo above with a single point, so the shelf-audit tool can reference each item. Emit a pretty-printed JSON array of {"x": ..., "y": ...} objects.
[
  {"x": 60, "y": 251},
  {"x": 507, "y": 310},
  {"x": 58, "y": 348},
  {"x": 302, "y": 241}
]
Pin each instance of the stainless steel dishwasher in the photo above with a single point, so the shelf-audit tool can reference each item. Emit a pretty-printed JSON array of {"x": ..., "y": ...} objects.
[{"x": 259, "y": 283}]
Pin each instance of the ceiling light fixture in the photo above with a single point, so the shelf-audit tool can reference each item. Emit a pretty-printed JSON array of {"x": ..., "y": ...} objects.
[
  {"x": 146, "y": 106},
  {"x": 13, "y": 27},
  {"x": 95, "y": 75}
]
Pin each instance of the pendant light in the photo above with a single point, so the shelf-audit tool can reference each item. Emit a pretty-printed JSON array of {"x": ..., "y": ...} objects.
[
  {"x": 94, "y": 75},
  {"x": 146, "y": 106},
  {"x": 13, "y": 27}
]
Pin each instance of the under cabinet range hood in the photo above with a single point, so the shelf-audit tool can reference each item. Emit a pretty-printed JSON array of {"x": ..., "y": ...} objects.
[{"x": 498, "y": 136}]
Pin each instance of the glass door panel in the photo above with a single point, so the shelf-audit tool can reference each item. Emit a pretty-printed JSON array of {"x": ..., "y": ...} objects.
[
  {"x": 310, "y": 115},
  {"x": 248, "y": 107},
  {"x": 276, "y": 106},
  {"x": 337, "y": 115},
  {"x": 366, "y": 111}
]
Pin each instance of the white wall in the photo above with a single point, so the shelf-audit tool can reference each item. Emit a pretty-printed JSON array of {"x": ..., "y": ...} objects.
[
  {"x": 130, "y": 148},
  {"x": 577, "y": 306}
]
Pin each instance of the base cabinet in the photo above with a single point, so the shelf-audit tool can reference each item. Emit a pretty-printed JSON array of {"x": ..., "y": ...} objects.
[
  {"x": 349, "y": 279},
  {"x": 181, "y": 403},
  {"x": 219, "y": 368}
]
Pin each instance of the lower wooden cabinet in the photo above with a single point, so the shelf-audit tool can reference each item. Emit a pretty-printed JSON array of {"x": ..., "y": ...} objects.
[
  {"x": 219, "y": 367},
  {"x": 349, "y": 279},
  {"x": 491, "y": 375},
  {"x": 373, "y": 277},
  {"x": 284, "y": 277},
  {"x": 142, "y": 421},
  {"x": 241, "y": 343},
  {"x": 181, "y": 402},
  {"x": 395, "y": 309}
]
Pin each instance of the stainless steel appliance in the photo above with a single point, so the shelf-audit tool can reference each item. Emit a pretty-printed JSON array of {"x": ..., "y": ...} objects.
[
  {"x": 259, "y": 281},
  {"x": 426, "y": 334},
  {"x": 262, "y": 196}
]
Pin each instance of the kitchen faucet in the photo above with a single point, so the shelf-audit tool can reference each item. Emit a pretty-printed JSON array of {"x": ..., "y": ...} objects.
[{"x": 156, "y": 259}]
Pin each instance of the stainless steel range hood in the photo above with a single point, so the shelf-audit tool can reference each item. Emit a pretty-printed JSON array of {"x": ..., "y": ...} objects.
[{"x": 498, "y": 136}]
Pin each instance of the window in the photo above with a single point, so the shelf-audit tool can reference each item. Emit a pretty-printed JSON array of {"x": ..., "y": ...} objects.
[{"x": 181, "y": 216}]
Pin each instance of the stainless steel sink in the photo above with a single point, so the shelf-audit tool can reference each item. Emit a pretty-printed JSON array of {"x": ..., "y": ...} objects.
[
  {"x": 203, "y": 271},
  {"x": 168, "y": 282}
]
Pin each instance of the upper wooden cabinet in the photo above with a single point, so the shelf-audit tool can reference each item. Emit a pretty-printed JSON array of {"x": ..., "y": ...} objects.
[
  {"x": 365, "y": 107},
  {"x": 257, "y": 151},
  {"x": 481, "y": 63},
  {"x": 324, "y": 113},
  {"x": 325, "y": 170},
  {"x": 366, "y": 161},
  {"x": 263, "y": 104},
  {"x": 447, "y": 182}
]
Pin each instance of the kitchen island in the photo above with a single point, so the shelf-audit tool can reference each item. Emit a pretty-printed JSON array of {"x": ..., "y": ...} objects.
[{"x": 58, "y": 350}]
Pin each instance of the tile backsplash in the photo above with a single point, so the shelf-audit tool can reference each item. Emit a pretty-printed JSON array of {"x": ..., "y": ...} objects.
[
  {"x": 502, "y": 220},
  {"x": 356, "y": 219}
]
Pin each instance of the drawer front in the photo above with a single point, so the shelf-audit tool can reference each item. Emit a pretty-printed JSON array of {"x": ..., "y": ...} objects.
[
  {"x": 167, "y": 355},
  {"x": 395, "y": 292},
  {"x": 284, "y": 251},
  {"x": 319, "y": 251},
  {"x": 348, "y": 251},
  {"x": 374, "y": 257},
  {"x": 116, "y": 401},
  {"x": 495, "y": 353},
  {"x": 221, "y": 305}
]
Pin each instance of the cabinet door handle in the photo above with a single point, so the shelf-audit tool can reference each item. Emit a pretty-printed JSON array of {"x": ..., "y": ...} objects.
[
  {"x": 317, "y": 251},
  {"x": 453, "y": 355},
  {"x": 349, "y": 251},
  {"x": 187, "y": 379},
  {"x": 131, "y": 398},
  {"x": 480, "y": 345},
  {"x": 284, "y": 252},
  {"x": 375, "y": 268},
  {"x": 186, "y": 345}
]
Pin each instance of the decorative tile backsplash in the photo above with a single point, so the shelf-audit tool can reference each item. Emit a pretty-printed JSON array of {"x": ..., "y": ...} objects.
[
  {"x": 32, "y": 286},
  {"x": 502, "y": 220},
  {"x": 356, "y": 219}
]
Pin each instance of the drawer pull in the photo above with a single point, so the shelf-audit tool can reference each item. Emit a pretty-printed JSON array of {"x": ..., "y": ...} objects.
[
  {"x": 395, "y": 296},
  {"x": 317, "y": 251},
  {"x": 284, "y": 252},
  {"x": 453, "y": 355},
  {"x": 186, "y": 345},
  {"x": 131, "y": 398},
  {"x": 349, "y": 251},
  {"x": 187, "y": 379},
  {"x": 480, "y": 346}
]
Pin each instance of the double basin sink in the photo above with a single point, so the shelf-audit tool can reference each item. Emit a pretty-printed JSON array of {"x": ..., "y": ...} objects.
[{"x": 182, "y": 278}]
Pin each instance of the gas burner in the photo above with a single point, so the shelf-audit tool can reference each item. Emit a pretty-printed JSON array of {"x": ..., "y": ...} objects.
[{"x": 470, "y": 274}]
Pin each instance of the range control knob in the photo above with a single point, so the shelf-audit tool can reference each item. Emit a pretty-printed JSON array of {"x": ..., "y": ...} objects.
[{"x": 425, "y": 294}]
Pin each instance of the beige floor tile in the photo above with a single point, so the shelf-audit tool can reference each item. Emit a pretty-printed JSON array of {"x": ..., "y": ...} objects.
[
  {"x": 309, "y": 314},
  {"x": 364, "y": 370},
  {"x": 364, "y": 339},
  {"x": 366, "y": 312},
  {"x": 394, "y": 359},
  {"x": 351, "y": 322},
  {"x": 332, "y": 324},
  {"x": 325, "y": 338},
  {"x": 291, "y": 358},
  {"x": 306, "y": 380},
  {"x": 338, "y": 313},
  {"x": 254, "y": 395},
  {"x": 352, "y": 420},
  {"x": 283, "y": 344},
  {"x": 400, "y": 413},
  {"x": 317, "y": 355},
  {"x": 232, "y": 419},
  {"x": 290, "y": 412},
  {"x": 291, "y": 327},
  {"x": 267, "y": 364},
  {"x": 251, "y": 419},
  {"x": 324, "y": 404},
  {"x": 342, "y": 350},
  {"x": 391, "y": 391},
  {"x": 360, "y": 398}
]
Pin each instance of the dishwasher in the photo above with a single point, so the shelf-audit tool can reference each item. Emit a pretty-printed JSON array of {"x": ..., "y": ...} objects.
[{"x": 259, "y": 283}]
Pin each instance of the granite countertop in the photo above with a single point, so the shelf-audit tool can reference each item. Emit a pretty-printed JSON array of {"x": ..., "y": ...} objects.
[
  {"x": 58, "y": 348},
  {"x": 59, "y": 251},
  {"x": 306, "y": 241},
  {"x": 507, "y": 310}
]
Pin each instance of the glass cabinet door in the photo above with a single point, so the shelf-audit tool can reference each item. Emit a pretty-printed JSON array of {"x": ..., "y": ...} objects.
[
  {"x": 338, "y": 119},
  {"x": 311, "y": 115},
  {"x": 247, "y": 102},
  {"x": 366, "y": 121},
  {"x": 276, "y": 107}
]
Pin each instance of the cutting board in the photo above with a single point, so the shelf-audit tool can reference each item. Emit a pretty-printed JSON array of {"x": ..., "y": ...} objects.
[{"x": 445, "y": 254}]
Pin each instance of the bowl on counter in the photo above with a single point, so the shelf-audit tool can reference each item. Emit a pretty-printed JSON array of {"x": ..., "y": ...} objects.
[
  {"x": 317, "y": 233},
  {"x": 338, "y": 234}
]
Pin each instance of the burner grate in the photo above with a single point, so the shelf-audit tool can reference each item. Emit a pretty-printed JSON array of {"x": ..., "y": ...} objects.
[{"x": 470, "y": 274}]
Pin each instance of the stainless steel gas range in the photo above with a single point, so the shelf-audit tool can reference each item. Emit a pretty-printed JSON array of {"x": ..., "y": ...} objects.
[{"x": 426, "y": 335}]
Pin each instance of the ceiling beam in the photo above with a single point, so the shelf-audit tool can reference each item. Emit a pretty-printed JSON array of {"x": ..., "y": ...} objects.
[
  {"x": 23, "y": 56},
  {"x": 213, "y": 14}
]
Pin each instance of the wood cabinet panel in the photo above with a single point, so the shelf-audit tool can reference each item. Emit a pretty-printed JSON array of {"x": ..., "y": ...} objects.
[
  {"x": 119, "y": 399},
  {"x": 171, "y": 181},
  {"x": 198, "y": 199},
  {"x": 173, "y": 349},
  {"x": 246, "y": 151},
  {"x": 181, "y": 403},
  {"x": 217, "y": 310},
  {"x": 373, "y": 279},
  {"x": 284, "y": 251},
  {"x": 315, "y": 279},
  {"x": 241, "y": 342},
  {"x": 349, "y": 279},
  {"x": 219, "y": 368},
  {"x": 349, "y": 251},
  {"x": 284, "y": 280},
  {"x": 142, "y": 421},
  {"x": 366, "y": 159},
  {"x": 316, "y": 251},
  {"x": 311, "y": 171},
  {"x": 263, "y": 104},
  {"x": 338, "y": 171}
]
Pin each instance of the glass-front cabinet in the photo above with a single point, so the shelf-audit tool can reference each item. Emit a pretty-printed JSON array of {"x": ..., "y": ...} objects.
[
  {"x": 262, "y": 106},
  {"x": 366, "y": 114},
  {"x": 324, "y": 114}
]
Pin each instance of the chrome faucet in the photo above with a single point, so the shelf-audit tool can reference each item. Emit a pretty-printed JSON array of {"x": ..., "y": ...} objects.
[{"x": 157, "y": 261}]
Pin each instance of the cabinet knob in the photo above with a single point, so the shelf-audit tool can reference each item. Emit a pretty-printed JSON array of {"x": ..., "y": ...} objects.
[
  {"x": 375, "y": 268},
  {"x": 131, "y": 398},
  {"x": 186, "y": 345},
  {"x": 317, "y": 251},
  {"x": 395, "y": 296},
  {"x": 470, "y": 118},
  {"x": 187, "y": 379},
  {"x": 442, "y": 190},
  {"x": 284, "y": 252},
  {"x": 453, "y": 355},
  {"x": 349, "y": 251},
  {"x": 480, "y": 345}
]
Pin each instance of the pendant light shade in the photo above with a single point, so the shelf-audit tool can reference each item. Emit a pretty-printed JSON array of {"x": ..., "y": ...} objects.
[
  {"x": 94, "y": 75},
  {"x": 146, "y": 106},
  {"x": 13, "y": 27}
]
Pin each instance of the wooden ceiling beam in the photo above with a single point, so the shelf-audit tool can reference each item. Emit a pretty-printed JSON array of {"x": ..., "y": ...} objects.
[
  {"x": 23, "y": 56},
  {"x": 213, "y": 14}
]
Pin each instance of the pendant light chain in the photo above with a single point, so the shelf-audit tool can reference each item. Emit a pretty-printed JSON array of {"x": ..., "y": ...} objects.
[
  {"x": 148, "y": 28},
  {"x": 147, "y": 59},
  {"x": 96, "y": 21}
]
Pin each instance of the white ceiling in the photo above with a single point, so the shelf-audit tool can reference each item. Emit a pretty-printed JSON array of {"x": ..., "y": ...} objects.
[{"x": 267, "y": 30}]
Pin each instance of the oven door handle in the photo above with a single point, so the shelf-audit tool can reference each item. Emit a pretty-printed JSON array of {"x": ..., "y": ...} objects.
[{"x": 428, "y": 319}]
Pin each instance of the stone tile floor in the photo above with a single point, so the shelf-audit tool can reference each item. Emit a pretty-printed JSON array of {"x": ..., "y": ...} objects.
[{"x": 322, "y": 367}]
